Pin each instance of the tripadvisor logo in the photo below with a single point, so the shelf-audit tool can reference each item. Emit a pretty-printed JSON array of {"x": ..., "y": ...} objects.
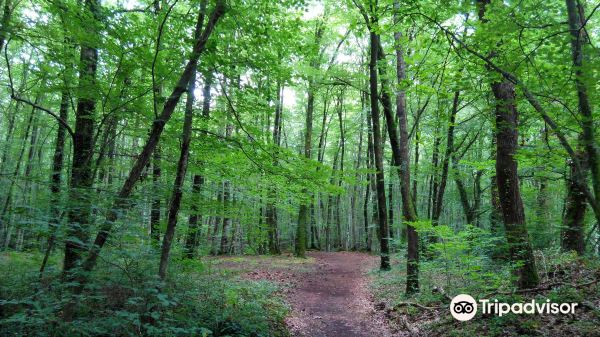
[{"x": 464, "y": 307}]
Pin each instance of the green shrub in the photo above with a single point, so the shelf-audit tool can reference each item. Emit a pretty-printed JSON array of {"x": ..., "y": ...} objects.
[{"x": 125, "y": 298}]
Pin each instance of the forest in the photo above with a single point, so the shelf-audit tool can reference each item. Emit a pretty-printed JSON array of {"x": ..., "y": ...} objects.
[{"x": 298, "y": 167}]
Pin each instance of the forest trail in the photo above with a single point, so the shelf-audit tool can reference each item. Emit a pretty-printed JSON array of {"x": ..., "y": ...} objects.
[{"x": 334, "y": 300}]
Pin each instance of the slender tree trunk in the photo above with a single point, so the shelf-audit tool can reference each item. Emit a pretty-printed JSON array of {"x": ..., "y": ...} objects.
[
  {"x": 434, "y": 182},
  {"x": 157, "y": 101},
  {"x": 195, "y": 219},
  {"x": 416, "y": 166},
  {"x": 156, "y": 197},
  {"x": 56, "y": 177},
  {"x": 496, "y": 225},
  {"x": 226, "y": 223},
  {"x": 391, "y": 210},
  {"x": 356, "y": 192},
  {"x": 476, "y": 198},
  {"x": 409, "y": 211},
  {"x": 464, "y": 198},
  {"x": 300, "y": 247},
  {"x": 214, "y": 247},
  {"x": 315, "y": 242},
  {"x": 330, "y": 209},
  {"x": 227, "y": 192},
  {"x": 377, "y": 149},
  {"x": 179, "y": 178},
  {"x": 370, "y": 184},
  {"x": 366, "y": 215},
  {"x": 271, "y": 209},
  {"x": 575, "y": 207},
  {"x": 437, "y": 211},
  {"x": 338, "y": 242},
  {"x": 303, "y": 214},
  {"x": 541, "y": 229}
]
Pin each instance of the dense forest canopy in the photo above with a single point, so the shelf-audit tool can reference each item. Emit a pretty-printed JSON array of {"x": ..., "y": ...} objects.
[{"x": 457, "y": 140}]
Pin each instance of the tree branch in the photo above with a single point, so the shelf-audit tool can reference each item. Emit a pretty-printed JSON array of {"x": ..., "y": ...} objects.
[{"x": 14, "y": 96}]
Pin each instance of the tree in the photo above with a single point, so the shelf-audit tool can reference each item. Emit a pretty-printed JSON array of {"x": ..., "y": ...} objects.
[
  {"x": 513, "y": 214},
  {"x": 377, "y": 142},
  {"x": 195, "y": 219},
  {"x": 303, "y": 216},
  {"x": 573, "y": 237},
  {"x": 82, "y": 179},
  {"x": 157, "y": 128},
  {"x": 182, "y": 164}
]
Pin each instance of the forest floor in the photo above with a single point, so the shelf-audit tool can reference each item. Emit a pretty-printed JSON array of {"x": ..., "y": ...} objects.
[{"x": 328, "y": 293}]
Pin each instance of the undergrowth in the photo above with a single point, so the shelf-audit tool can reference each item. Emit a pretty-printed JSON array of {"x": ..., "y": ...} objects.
[
  {"x": 125, "y": 298},
  {"x": 471, "y": 262}
]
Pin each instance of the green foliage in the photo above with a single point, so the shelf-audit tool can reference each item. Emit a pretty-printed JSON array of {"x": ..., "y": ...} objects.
[
  {"x": 260, "y": 50},
  {"x": 124, "y": 300},
  {"x": 464, "y": 259},
  {"x": 466, "y": 269}
]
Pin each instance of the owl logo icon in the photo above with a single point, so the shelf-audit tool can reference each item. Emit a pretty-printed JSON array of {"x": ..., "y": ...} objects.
[{"x": 463, "y": 307}]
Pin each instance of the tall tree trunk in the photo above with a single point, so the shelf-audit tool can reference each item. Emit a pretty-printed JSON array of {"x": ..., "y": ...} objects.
[
  {"x": 437, "y": 210},
  {"x": 575, "y": 206},
  {"x": 513, "y": 214},
  {"x": 303, "y": 214},
  {"x": 82, "y": 178},
  {"x": 195, "y": 219},
  {"x": 338, "y": 240},
  {"x": 156, "y": 197},
  {"x": 157, "y": 100},
  {"x": 366, "y": 215},
  {"x": 330, "y": 209},
  {"x": 507, "y": 178},
  {"x": 377, "y": 149},
  {"x": 391, "y": 210},
  {"x": 315, "y": 242},
  {"x": 409, "y": 211},
  {"x": 496, "y": 225},
  {"x": 434, "y": 182},
  {"x": 416, "y": 166},
  {"x": 578, "y": 40},
  {"x": 227, "y": 190},
  {"x": 271, "y": 209},
  {"x": 471, "y": 211},
  {"x": 56, "y": 176},
  {"x": 370, "y": 184},
  {"x": 356, "y": 192},
  {"x": 573, "y": 238},
  {"x": 179, "y": 177},
  {"x": 226, "y": 221}
]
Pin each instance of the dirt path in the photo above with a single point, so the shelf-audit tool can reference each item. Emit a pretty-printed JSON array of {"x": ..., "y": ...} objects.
[{"x": 333, "y": 299}]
